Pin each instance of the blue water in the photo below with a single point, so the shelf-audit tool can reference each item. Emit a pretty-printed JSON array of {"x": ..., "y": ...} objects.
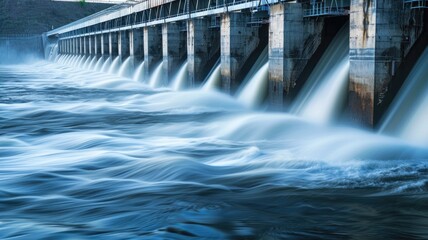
[{"x": 91, "y": 156}]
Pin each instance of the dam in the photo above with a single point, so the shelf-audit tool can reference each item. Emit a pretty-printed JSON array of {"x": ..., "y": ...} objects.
[
  {"x": 216, "y": 119},
  {"x": 384, "y": 39}
]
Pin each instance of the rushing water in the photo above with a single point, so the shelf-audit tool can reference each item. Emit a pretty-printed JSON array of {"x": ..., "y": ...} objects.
[
  {"x": 324, "y": 95},
  {"x": 88, "y": 155}
]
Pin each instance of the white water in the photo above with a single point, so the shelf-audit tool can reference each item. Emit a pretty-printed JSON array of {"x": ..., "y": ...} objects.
[
  {"x": 156, "y": 76},
  {"x": 408, "y": 115},
  {"x": 106, "y": 65},
  {"x": 139, "y": 73},
  {"x": 254, "y": 93},
  {"x": 99, "y": 64},
  {"x": 114, "y": 65},
  {"x": 324, "y": 93},
  {"x": 180, "y": 80},
  {"x": 214, "y": 80},
  {"x": 124, "y": 69},
  {"x": 92, "y": 63},
  {"x": 75, "y": 60},
  {"x": 83, "y": 62},
  {"x": 86, "y": 63}
]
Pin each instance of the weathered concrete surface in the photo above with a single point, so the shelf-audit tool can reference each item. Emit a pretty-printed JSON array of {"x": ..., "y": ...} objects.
[
  {"x": 202, "y": 45},
  {"x": 97, "y": 44},
  {"x": 81, "y": 45},
  {"x": 381, "y": 34},
  {"x": 91, "y": 45},
  {"x": 86, "y": 45},
  {"x": 113, "y": 44},
  {"x": 123, "y": 44},
  {"x": 152, "y": 49},
  {"x": 136, "y": 43},
  {"x": 292, "y": 42},
  {"x": 173, "y": 49},
  {"x": 237, "y": 42},
  {"x": 75, "y": 46},
  {"x": 105, "y": 44}
]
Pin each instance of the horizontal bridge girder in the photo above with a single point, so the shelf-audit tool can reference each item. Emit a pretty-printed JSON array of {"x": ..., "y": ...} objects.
[{"x": 152, "y": 8}]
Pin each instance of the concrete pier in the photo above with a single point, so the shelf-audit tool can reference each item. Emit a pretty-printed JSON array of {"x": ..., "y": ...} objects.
[
  {"x": 386, "y": 38},
  {"x": 173, "y": 49},
  {"x": 123, "y": 45},
  {"x": 152, "y": 49},
  {"x": 104, "y": 39},
  {"x": 85, "y": 45},
  {"x": 136, "y": 44},
  {"x": 296, "y": 44},
  {"x": 203, "y": 49},
  {"x": 382, "y": 32},
  {"x": 97, "y": 45},
  {"x": 81, "y": 46},
  {"x": 237, "y": 42},
  {"x": 113, "y": 44}
]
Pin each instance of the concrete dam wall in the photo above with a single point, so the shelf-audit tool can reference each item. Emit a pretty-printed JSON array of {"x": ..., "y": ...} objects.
[{"x": 386, "y": 38}]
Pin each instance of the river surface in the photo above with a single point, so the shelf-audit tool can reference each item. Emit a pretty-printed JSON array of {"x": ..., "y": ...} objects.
[{"x": 87, "y": 155}]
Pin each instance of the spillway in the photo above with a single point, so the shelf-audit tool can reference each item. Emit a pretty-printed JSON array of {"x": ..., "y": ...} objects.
[
  {"x": 324, "y": 94},
  {"x": 225, "y": 120},
  {"x": 408, "y": 114}
]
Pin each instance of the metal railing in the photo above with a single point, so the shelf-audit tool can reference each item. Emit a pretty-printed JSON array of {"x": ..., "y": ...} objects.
[
  {"x": 327, "y": 8},
  {"x": 155, "y": 14},
  {"x": 414, "y": 4}
]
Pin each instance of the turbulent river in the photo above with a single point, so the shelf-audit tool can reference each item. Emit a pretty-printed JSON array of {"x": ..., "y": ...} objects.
[{"x": 88, "y": 155}]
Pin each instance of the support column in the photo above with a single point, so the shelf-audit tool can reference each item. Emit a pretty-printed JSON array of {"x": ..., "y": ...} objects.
[
  {"x": 382, "y": 32},
  {"x": 66, "y": 46},
  {"x": 152, "y": 49},
  {"x": 136, "y": 48},
  {"x": 203, "y": 45},
  {"x": 105, "y": 44},
  {"x": 174, "y": 49},
  {"x": 85, "y": 45},
  {"x": 136, "y": 43},
  {"x": 295, "y": 46},
  {"x": 80, "y": 45},
  {"x": 76, "y": 46},
  {"x": 113, "y": 46},
  {"x": 123, "y": 44},
  {"x": 97, "y": 45},
  {"x": 237, "y": 42},
  {"x": 91, "y": 44}
]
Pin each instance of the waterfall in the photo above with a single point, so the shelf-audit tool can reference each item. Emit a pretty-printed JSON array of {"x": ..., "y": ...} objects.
[
  {"x": 92, "y": 63},
  {"x": 61, "y": 58},
  {"x": 72, "y": 59},
  {"x": 106, "y": 64},
  {"x": 253, "y": 89},
  {"x": 324, "y": 93},
  {"x": 408, "y": 113},
  {"x": 64, "y": 59},
  {"x": 180, "y": 79},
  {"x": 254, "y": 93},
  {"x": 86, "y": 63},
  {"x": 81, "y": 61},
  {"x": 99, "y": 63},
  {"x": 214, "y": 79},
  {"x": 124, "y": 69},
  {"x": 139, "y": 74},
  {"x": 156, "y": 77},
  {"x": 53, "y": 53},
  {"x": 114, "y": 65}
]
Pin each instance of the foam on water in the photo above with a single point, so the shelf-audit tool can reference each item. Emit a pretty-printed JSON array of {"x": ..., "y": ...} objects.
[
  {"x": 180, "y": 80},
  {"x": 139, "y": 73},
  {"x": 88, "y": 155},
  {"x": 214, "y": 80}
]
